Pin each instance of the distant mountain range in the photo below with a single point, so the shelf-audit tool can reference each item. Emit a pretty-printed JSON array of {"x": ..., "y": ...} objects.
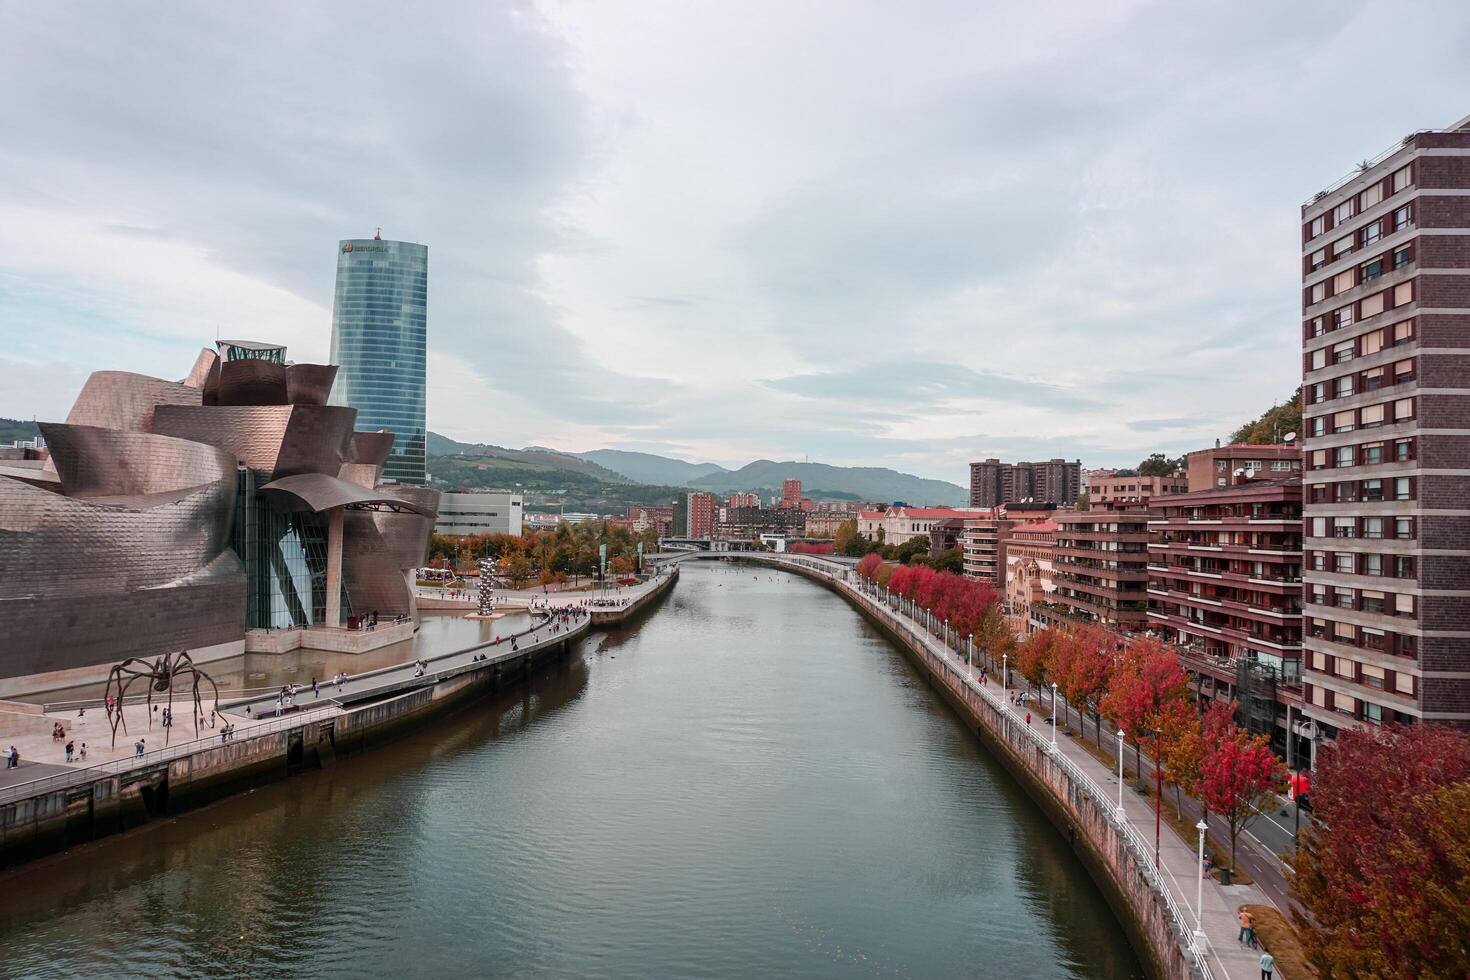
[{"x": 818, "y": 480}]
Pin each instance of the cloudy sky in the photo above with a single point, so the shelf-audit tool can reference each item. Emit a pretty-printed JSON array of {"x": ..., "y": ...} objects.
[{"x": 864, "y": 233}]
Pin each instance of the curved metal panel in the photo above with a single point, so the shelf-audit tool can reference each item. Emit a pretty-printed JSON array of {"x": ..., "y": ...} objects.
[
  {"x": 123, "y": 400},
  {"x": 319, "y": 492},
  {"x": 309, "y": 384},
  {"x": 275, "y": 440},
  {"x": 157, "y": 579},
  {"x": 406, "y": 534},
  {"x": 94, "y": 462},
  {"x": 375, "y": 580},
  {"x": 203, "y": 367},
  {"x": 252, "y": 382},
  {"x": 371, "y": 448}
]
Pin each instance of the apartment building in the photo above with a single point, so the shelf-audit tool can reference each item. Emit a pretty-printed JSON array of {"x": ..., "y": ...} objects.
[
  {"x": 1386, "y": 414},
  {"x": 897, "y": 525},
  {"x": 1225, "y": 466},
  {"x": 993, "y": 483},
  {"x": 1133, "y": 489},
  {"x": 1225, "y": 586},
  {"x": 1101, "y": 566},
  {"x": 982, "y": 541},
  {"x": 1029, "y": 555}
]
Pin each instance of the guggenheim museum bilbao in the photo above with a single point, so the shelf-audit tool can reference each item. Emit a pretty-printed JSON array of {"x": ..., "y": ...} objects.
[{"x": 199, "y": 514}]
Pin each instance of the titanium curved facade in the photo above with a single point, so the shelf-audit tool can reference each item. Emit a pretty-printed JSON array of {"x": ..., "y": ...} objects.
[{"x": 379, "y": 336}]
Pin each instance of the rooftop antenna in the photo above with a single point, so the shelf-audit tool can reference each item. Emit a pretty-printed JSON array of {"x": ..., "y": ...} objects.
[{"x": 378, "y": 236}]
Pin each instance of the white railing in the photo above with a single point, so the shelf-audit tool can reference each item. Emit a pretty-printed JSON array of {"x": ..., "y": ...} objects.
[
  {"x": 1138, "y": 847},
  {"x": 87, "y": 774}
]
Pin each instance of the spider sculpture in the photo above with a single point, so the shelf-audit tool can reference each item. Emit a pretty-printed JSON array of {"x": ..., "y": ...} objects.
[{"x": 161, "y": 676}]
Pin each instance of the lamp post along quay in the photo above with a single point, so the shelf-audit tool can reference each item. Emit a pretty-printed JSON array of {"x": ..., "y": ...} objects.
[
  {"x": 1120, "y": 774},
  {"x": 1053, "y": 716},
  {"x": 1199, "y": 894}
]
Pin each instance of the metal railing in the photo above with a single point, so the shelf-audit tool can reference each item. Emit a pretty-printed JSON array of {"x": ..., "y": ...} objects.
[
  {"x": 1362, "y": 168},
  {"x": 1138, "y": 847},
  {"x": 87, "y": 774}
]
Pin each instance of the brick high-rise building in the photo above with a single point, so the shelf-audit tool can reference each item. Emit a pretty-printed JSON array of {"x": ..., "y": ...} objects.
[
  {"x": 701, "y": 509},
  {"x": 791, "y": 493},
  {"x": 1055, "y": 481},
  {"x": 1224, "y": 466},
  {"x": 1386, "y": 413},
  {"x": 743, "y": 500}
]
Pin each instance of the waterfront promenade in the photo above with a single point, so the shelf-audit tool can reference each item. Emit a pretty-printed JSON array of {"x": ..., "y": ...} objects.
[{"x": 1212, "y": 906}]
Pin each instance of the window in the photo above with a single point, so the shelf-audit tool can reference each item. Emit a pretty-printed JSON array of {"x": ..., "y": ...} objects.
[
  {"x": 1342, "y": 318},
  {"x": 1401, "y": 257},
  {"x": 1344, "y": 527},
  {"x": 1373, "y": 490},
  {"x": 1318, "y": 359},
  {"x": 1403, "y": 217},
  {"x": 1403, "y": 450},
  {"x": 1372, "y": 305},
  {"x": 1403, "y": 527},
  {"x": 1372, "y": 527},
  {"x": 1402, "y": 681},
  {"x": 1372, "y": 342},
  {"x": 1319, "y": 291},
  {"x": 1343, "y": 281},
  {"x": 1346, "y": 492},
  {"x": 1342, "y": 387},
  {"x": 1319, "y": 561},
  {"x": 1371, "y": 270},
  {"x": 1403, "y": 566},
  {"x": 1342, "y": 246},
  {"x": 1319, "y": 225},
  {"x": 1343, "y": 422},
  {"x": 1342, "y": 212},
  {"x": 1372, "y": 640},
  {"x": 1342, "y": 352},
  {"x": 1319, "y": 392},
  {"x": 1372, "y": 232},
  {"x": 1372, "y": 601},
  {"x": 1344, "y": 456},
  {"x": 1403, "y": 293},
  {"x": 1343, "y": 598},
  {"x": 1282, "y": 466},
  {"x": 1400, "y": 179},
  {"x": 1370, "y": 197},
  {"x": 1318, "y": 260},
  {"x": 1403, "y": 331},
  {"x": 1316, "y": 328},
  {"x": 1373, "y": 713},
  {"x": 1319, "y": 425},
  {"x": 1372, "y": 415},
  {"x": 1402, "y": 488},
  {"x": 1319, "y": 459},
  {"x": 1373, "y": 454},
  {"x": 1403, "y": 604},
  {"x": 1372, "y": 381},
  {"x": 1403, "y": 409},
  {"x": 1403, "y": 371}
]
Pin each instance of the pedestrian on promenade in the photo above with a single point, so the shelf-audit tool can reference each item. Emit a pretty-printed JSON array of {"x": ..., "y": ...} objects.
[
  {"x": 84, "y": 751},
  {"x": 12, "y": 758},
  {"x": 1268, "y": 965},
  {"x": 70, "y": 748},
  {"x": 315, "y": 688},
  {"x": 138, "y": 747},
  {"x": 1028, "y": 717},
  {"x": 1247, "y": 929},
  {"x": 82, "y": 711}
]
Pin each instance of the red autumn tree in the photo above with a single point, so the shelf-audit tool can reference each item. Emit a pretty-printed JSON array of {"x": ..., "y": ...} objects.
[
  {"x": 1187, "y": 737},
  {"x": 1237, "y": 774},
  {"x": 1384, "y": 872},
  {"x": 868, "y": 567},
  {"x": 1146, "y": 678},
  {"x": 1034, "y": 655},
  {"x": 1082, "y": 663}
]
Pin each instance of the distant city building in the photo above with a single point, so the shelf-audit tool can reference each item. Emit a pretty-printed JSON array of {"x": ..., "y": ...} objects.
[
  {"x": 749, "y": 523},
  {"x": 743, "y": 500},
  {"x": 549, "y": 521},
  {"x": 993, "y": 483},
  {"x": 1030, "y": 553},
  {"x": 480, "y": 513},
  {"x": 658, "y": 518},
  {"x": 1386, "y": 420},
  {"x": 1133, "y": 489},
  {"x": 700, "y": 510},
  {"x": 1088, "y": 476},
  {"x": 1101, "y": 566},
  {"x": 984, "y": 537},
  {"x": 379, "y": 337},
  {"x": 824, "y": 523},
  {"x": 1226, "y": 466},
  {"x": 897, "y": 525},
  {"x": 791, "y": 493},
  {"x": 1225, "y": 585}
]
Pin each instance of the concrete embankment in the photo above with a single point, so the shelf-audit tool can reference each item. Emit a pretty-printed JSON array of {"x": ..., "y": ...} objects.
[
  {"x": 1077, "y": 810},
  {"x": 67, "y": 809}
]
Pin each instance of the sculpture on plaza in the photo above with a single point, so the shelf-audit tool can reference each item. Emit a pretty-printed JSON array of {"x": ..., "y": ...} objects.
[{"x": 161, "y": 676}]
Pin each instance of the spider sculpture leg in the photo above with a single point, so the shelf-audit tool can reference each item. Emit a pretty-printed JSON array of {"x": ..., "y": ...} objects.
[{"x": 123, "y": 674}]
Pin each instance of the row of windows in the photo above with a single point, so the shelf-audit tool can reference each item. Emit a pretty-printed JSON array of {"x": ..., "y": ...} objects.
[
  {"x": 1367, "y": 454},
  {"x": 1356, "y": 563},
  {"x": 1365, "y": 237},
  {"x": 1371, "y": 196},
  {"x": 1363, "y": 600},
  {"x": 1367, "y": 380},
  {"x": 1401, "y": 528},
  {"x": 1345, "y": 316},
  {"x": 1365, "y": 345},
  {"x": 1367, "y": 417},
  {"x": 1363, "y": 491}
]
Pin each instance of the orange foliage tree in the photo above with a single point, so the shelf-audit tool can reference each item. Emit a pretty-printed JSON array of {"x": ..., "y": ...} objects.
[{"x": 1146, "y": 679}]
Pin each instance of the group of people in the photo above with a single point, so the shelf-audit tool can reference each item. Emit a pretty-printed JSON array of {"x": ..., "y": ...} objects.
[
  {"x": 419, "y": 666},
  {"x": 12, "y": 758},
  {"x": 71, "y": 751}
]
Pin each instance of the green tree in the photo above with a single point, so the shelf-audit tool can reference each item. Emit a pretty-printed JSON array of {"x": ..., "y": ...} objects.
[
  {"x": 1273, "y": 425},
  {"x": 1158, "y": 464}
]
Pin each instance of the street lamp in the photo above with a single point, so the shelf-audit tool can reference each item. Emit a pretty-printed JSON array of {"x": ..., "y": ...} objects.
[
  {"x": 1053, "y": 716},
  {"x": 1120, "y": 774},
  {"x": 1005, "y": 676},
  {"x": 1199, "y": 894}
]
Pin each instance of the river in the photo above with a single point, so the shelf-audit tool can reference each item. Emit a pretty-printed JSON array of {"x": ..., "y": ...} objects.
[{"x": 749, "y": 783}]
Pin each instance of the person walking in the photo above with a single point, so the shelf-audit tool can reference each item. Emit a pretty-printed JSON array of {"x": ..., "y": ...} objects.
[
  {"x": 70, "y": 748},
  {"x": 138, "y": 747},
  {"x": 12, "y": 758},
  {"x": 84, "y": 751},
  {"x": 1268, "y": 966},
  {"x": 1247, "y": 929}
]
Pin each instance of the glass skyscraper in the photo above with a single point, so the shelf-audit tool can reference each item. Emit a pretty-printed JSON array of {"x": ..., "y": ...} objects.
[{"x": 379, "y": 329}]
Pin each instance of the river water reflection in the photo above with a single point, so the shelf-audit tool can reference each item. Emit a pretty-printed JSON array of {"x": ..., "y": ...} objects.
[{"x": 750, "y": 783}]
